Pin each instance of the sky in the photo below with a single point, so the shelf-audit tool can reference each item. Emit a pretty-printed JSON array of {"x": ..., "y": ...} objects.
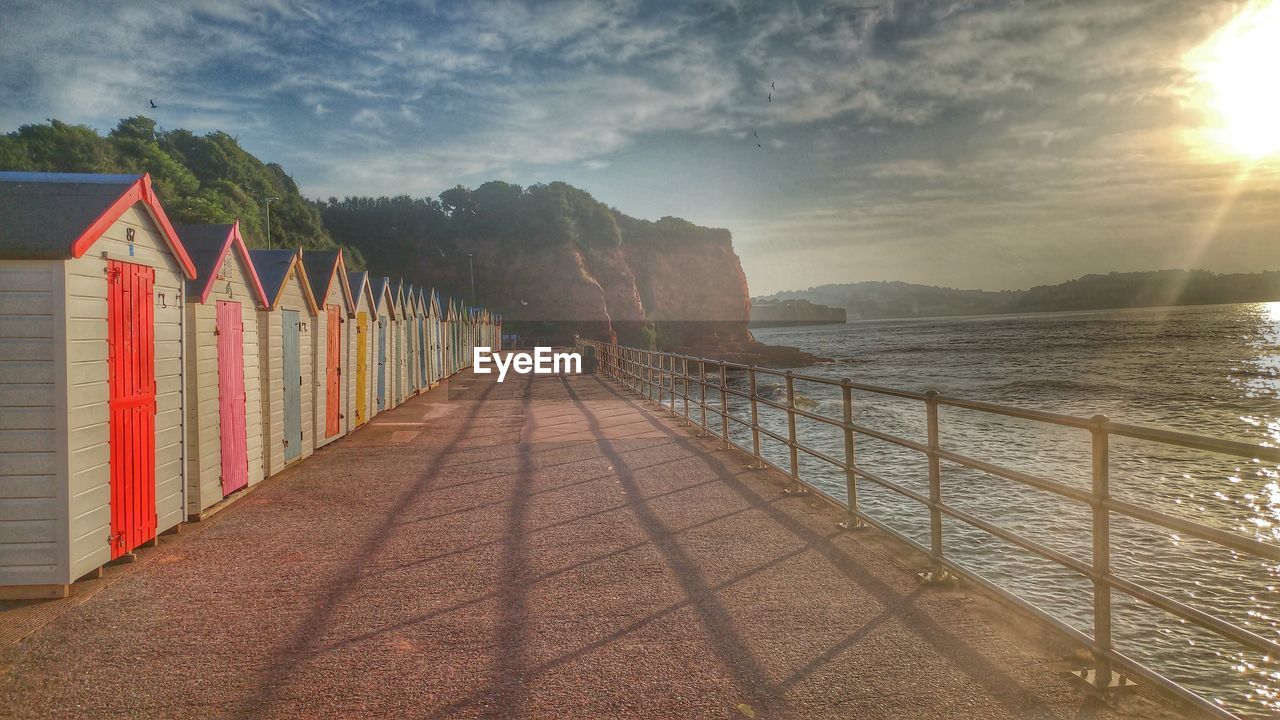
[{"x": 972, "y": 144}]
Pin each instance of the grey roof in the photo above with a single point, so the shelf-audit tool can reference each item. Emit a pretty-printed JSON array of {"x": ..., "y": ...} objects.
[
  {"x": 204, "y": 244},
  {"x": 43, "y": 214},
  {"x": 319, "y": 265},
  {"x": 380, "y": 285},
  {"x": 272, "y": 267},
  {"x": 357, "y": 280}
]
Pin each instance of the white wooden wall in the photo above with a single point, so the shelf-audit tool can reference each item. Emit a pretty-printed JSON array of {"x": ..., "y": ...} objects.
[{"x": 33, "y": 492}]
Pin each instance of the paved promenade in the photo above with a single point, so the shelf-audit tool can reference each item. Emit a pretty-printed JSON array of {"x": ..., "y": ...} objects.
[{"x": 537, "y": 549}]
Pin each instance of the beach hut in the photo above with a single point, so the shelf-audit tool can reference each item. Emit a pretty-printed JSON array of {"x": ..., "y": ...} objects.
[
  {"x": 360, "y": 335},
  {"x": 436, "y": 351},
  {"x": 92, "y": 283},
  {"x": 446, "y": 330},
  {"x": 327, "y": 274},
  {"x": 286, "y": 357},
  {"x": 399, "y": 346},
  {"x": 410, "y": 340},
  {"x": 424, "y": 378},
  {"x": 382, "y": 344},
  {"x": 224, "y": 395}
]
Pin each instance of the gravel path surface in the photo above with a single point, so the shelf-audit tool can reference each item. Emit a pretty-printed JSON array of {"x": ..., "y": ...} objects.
[{"x": 535, "y": 549}]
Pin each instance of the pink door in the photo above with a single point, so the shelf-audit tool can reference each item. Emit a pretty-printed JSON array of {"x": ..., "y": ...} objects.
[{"x": 231, "y": 397}]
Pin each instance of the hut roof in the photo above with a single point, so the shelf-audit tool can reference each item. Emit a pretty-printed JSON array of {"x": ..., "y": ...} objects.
[
  {"x": 360, "y": 287},
  {"x": 208, "y": 246},
  {"x": 323, "y": 268},
  {"x": 58, "y": 216},
  {"x": 273, "y": 268},
  {"x": 382, "y": 288}
]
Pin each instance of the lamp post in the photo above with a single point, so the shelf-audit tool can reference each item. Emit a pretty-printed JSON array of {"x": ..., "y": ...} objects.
[
  {"x": 268, "y": 201},
  {"x": 471, "y": 266}
]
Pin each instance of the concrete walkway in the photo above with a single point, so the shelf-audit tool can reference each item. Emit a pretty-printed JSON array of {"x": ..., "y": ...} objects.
[{"x": 529, "y": 549}]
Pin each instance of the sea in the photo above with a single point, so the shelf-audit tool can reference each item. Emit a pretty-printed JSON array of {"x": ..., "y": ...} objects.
[{"x": 1209, "y": 370}]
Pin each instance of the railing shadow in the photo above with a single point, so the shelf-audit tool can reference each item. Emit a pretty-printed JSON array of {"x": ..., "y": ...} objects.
[{"x": 996, "y": 681}]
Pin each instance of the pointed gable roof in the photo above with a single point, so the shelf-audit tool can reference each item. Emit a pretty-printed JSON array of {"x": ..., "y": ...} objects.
[
  {"x": 59, "y": 216},
  {"x": 208, "y": 246},
  {"x": 361, "y": 288},
  {"x": 273, "y": 268},
  {"x": 434, "y": 307},
  {"x": 324, "y": 267},
  {"x": 382, "y": 291}
]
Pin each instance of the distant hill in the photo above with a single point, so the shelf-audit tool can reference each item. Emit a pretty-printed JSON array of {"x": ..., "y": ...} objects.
[
  {"x": 872, "y": 300},
  {"x": 556, "y": 261},
  {"x": 199, "y": 178}
]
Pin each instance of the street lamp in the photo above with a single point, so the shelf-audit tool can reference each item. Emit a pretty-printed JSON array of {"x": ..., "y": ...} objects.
[
  {"x": 268, "y": 201},
  {"x": 471, "y": 265}
]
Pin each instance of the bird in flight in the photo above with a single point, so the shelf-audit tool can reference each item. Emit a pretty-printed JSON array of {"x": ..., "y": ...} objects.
[
  {"x": 770, "y": 97},
  {"x": 759, "y": 146},
  {"x": 153, "y": 104},
  {"x": 524, "y": 302},
  {"x": 772, "y": 86},
  {"x": 754, "y": 135}
]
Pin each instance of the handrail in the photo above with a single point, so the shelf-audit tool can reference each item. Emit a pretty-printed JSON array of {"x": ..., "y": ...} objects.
[{"x": 665, "y": 378}]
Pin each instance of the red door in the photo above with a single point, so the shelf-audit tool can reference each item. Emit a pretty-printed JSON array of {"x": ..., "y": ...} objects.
[
  {"x": 333, "y": 371},
  {"x": 132, "y": 402},
  {"x": 231, "y": 398}
]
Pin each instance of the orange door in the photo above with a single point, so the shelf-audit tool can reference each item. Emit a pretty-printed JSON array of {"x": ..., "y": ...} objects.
[{"x": 333, "y": 372}]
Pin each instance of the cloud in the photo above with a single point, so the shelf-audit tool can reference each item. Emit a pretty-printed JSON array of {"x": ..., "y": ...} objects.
[{"x": 962, "y": 139}]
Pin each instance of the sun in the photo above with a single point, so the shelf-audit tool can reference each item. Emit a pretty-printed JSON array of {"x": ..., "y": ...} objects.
[{"x": 1236, "y": 71}]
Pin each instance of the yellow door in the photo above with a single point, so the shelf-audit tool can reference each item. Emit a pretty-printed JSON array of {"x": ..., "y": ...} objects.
[{"x": 362, "y": 357}]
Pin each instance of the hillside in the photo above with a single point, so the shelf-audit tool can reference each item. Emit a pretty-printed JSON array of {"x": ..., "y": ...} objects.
[
  {"x": 872, "y": 300},
  {"x": 199, "y": 178}
]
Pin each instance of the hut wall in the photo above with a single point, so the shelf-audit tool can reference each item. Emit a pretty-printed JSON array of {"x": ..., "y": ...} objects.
[
  {"x": 33, "y": 424},
  {"x": 89, "y": 474}
]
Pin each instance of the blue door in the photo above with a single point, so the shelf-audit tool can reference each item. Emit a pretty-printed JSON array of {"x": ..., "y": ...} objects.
[
  {"x": 382, "y": 365},
  {"x": 292, "y": 379}
]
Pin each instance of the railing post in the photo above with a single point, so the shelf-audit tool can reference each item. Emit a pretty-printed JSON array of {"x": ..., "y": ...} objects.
[
  {"x": 648, "y": 380},
  {"x": 672, "y": 374},
  {"x": 1101, "y": 677},
  {"x": 755, "y": 423},
  {"x": 724, "y": 404},
  {"x": 791, "y": 433},
  {"x": 850, "y": 476},
  {"x": 937, "y": 572},
  {"x": 684, "y": 385},
  {"x": 702, "y": 393}
]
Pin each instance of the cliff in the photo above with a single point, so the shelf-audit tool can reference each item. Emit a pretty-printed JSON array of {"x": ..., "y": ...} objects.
[
  {"x": 794, "y": 312},
  {"x": 556, "y": 262}
]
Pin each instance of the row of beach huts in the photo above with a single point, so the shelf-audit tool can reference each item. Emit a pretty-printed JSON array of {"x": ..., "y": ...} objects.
[{"x": 148, "y": 371}]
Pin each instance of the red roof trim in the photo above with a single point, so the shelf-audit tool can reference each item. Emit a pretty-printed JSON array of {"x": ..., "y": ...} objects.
[
  {"x": 138, "y": 192},
  {"x": 234, "y": 238}
]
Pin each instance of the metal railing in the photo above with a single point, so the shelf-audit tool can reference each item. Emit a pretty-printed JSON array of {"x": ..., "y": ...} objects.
[{"x": 666, "y": 379}]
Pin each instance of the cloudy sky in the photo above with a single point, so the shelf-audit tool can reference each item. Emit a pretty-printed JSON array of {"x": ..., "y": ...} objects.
[{"x": 966, "y": 143}]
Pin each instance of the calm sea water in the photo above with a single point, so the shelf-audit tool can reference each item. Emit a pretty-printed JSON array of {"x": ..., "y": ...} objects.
[{"x": 1211, "y": 370}]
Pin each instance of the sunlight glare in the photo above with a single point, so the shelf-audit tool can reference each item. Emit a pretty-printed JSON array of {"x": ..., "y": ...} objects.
[{"x": 1236, "y": 71}]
